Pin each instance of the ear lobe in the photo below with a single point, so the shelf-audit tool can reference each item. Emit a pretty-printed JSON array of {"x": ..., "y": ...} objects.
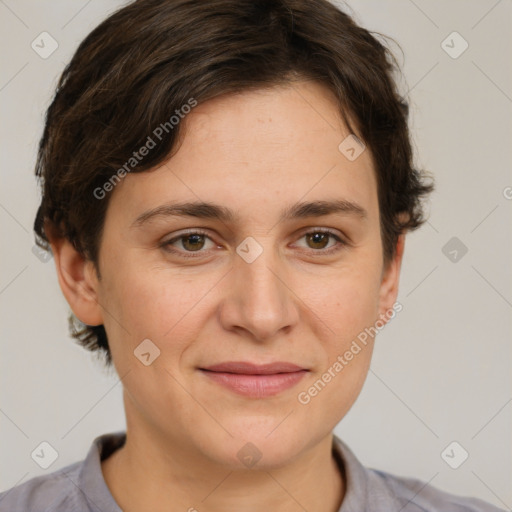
[
  {"x": 78, "y": 281},
  {"x": 391, "y": 279}
]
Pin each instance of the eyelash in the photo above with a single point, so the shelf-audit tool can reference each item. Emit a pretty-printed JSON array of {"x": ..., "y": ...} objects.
[{"x": 166, "y": 245}]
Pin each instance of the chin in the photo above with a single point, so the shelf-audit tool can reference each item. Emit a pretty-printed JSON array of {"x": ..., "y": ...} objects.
[{"x": 265, "y": 447}]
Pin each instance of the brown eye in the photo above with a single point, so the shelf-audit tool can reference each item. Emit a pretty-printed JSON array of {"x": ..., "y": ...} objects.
[
  {"x": 188, "y": 245},
  {"x": 192, "y": 242},
  {"x": 319, "y": 239},
  {"x": 318, "y": 242}
]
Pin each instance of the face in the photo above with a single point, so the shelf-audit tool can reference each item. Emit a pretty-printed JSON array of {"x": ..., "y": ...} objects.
[{"x": 268, "y": 282}]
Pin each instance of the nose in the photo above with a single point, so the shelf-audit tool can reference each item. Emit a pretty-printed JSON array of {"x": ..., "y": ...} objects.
[{"x": 259, "y": 300}]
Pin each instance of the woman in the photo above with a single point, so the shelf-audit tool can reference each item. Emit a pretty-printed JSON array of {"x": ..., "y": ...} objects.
[{"x": 227, "y": 186}]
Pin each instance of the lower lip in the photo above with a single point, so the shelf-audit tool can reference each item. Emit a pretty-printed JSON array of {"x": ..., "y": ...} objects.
[{"x": 257, "y": 386}]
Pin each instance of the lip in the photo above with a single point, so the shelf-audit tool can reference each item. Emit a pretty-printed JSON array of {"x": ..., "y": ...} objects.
[
  {"x": 255, "y": 380},
  {"x": 246, "y": 368}
]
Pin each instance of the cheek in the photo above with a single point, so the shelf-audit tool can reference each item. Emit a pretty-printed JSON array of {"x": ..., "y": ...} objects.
[
  {"x": 348, "y": 310},
  {"x": 155, "y": 303},
  {"x": 348, "y": 302},
  {"x": 348, "y": 307}
]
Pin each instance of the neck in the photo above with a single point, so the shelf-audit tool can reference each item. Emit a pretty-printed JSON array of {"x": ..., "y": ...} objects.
[{"x": 142, "y": 475}]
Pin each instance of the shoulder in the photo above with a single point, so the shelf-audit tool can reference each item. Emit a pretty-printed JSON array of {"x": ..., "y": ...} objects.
[
  {"x": 77, "y": 487},
  {"x": 55, "y": 492},
  {"x": 418, "y": 496},
  {"x": 378, "y": 491}
]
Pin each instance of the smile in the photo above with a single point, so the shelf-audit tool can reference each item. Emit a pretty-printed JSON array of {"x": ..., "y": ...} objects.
[{"x": 256, "y": 381}]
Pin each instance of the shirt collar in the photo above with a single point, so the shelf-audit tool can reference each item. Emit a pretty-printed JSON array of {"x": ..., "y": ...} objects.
[
  {"x": 91, "y": 481},
  {"x": 365, "y": 489},
  {"x": 358, "y": 479}
]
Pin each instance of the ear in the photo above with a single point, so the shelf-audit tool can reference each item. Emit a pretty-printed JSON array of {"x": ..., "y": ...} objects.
[
  {"x": 78, "y": 281},
  {"x": 390, "y": 279}
]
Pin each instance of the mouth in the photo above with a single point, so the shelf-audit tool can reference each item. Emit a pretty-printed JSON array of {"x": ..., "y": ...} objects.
[{"x": 254, "y": 380}]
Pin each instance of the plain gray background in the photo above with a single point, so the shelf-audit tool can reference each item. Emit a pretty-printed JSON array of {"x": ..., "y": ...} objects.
[{"x": 441, "y": 370}]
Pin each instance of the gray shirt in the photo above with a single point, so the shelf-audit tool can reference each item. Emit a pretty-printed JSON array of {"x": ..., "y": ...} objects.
[{"x": 80, "y": 487}]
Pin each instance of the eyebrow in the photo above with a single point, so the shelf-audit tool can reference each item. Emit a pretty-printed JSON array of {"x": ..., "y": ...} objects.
[{"x": 208, "y": 210}]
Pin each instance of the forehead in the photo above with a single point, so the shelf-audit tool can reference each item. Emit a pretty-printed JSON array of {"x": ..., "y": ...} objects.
[
  {"x": 259, "y": 151},
  {"x": 261, "y": 126}
]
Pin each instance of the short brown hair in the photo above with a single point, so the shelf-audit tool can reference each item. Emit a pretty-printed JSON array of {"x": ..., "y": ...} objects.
[{"x": 145, "y": 61}]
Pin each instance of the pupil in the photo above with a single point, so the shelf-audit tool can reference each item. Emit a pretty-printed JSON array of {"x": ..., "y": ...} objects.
[
  {"x": 195, "y": 240},
  {"x": 319, "y": 237}
]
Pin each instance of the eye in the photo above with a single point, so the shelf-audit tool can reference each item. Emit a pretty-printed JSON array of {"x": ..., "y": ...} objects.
[
  {"x": 194, "y": 241},
  {"x": 189, "y": 242},
  {"x": 318, "y": 240}
]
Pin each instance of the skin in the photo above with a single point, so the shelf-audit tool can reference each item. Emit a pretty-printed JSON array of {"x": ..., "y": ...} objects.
[{"x": 256, "y": 153}]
